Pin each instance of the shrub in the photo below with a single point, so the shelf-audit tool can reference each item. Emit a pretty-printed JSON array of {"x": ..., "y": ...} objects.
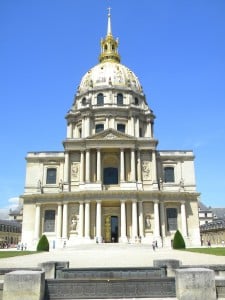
[
  {"x": 43, "y": 244},
  {"x": 178, "y": 241}
]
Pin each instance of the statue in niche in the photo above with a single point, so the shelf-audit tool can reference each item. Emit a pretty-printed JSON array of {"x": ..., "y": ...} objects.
[
  {"x": 181, "y": 184},
  {"x": 39, "y": 187},
  {"x": 160, "y": 183},
  {"x": 73, "y": 224},
  {"x": 148, "y": 222},
  {"x": 61, "y": 185}
]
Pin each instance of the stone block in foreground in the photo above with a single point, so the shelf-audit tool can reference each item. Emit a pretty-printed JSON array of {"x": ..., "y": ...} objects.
[
  {"x": 26, "y": 285},
  {"x": 195, "y": 284}
]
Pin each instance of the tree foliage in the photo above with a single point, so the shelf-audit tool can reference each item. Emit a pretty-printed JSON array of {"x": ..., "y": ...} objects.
[
  {"x": 43, "y": 244},
  {"x": 178, "y": 241}
]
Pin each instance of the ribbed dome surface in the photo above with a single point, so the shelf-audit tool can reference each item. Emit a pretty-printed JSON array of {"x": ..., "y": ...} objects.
[{"x": 110, "y": 74}]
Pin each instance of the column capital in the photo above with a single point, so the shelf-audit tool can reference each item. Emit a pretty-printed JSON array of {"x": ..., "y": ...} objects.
[
  {"x": 156, "y": 201},
  {"x": 123, "y": 201}
]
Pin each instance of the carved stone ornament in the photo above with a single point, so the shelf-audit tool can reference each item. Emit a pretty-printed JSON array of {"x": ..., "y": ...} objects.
[
  {"x": 75, "y": 171},
  {"x": 110, "y": 136},
  {"x": 146, "y": 170},
  {"x": 147, "y": 222},
  {"x": 73, "y": 223}
]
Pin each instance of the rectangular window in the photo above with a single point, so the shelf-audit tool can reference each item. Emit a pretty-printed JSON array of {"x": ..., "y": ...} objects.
[
  {"x": 99, "y": 127},
  {"x": 171, "y": 214},
  {"x": 49, "y": 221},
  {"x": 121, "y": 127},
  {"x": 169, "y": 174},
  {"x": 51, "y": 176}
]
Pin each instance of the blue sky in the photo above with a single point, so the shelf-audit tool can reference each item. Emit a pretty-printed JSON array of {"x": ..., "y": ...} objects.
[{"x": 175, "y": 47}]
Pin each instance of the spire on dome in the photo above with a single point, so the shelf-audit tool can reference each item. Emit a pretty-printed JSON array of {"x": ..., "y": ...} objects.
[
  {"x": 109, "y": 27},
  {"x": 109, "y": 45}
]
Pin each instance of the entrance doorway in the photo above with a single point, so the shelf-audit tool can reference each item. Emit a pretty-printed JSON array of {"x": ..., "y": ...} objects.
[{"x": 111, "y": 229}]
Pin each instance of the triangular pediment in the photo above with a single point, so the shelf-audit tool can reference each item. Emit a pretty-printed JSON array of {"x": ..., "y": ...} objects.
[{"x": 110, "y": 134}]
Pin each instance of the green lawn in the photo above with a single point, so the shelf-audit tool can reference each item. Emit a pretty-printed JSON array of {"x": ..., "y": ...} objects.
[
  {"x": 213, "y": 251},
  {"x": 5, "y": 254}
]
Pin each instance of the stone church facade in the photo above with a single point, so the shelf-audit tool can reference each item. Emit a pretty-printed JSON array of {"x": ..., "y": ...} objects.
[{"x": 110, "y": 184}]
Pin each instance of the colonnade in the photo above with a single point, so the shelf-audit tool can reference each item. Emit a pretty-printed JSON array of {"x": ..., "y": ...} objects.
[
  {"x": 134, "y": 163},
  {"x": 85, "y": 128},
  {"x": 137, "y": 220}
]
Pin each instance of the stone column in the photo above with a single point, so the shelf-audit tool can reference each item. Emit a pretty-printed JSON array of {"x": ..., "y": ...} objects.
[
  {"x": 141, "y": 219},
  {"x": 98, "y": 165},
  {"x": 183, "y": 219},
  {"x": 37, "y": 222},
  {"x": 134, "y": 220},
  {"x": 65, "y": 221},
  {"x": 156, "y": 219},
  {"x": 123, "y": 221},
  {"x": 137, "y": 126},
  {"x": 148, "y": 129},
  {"x": 139, "y": 166},
  {"x": 154, "y": 172},
  {"x": 81, "y": 219},
  {"x": 132, "y": 126},
  {"x": 121, "y": 165},
  {"x": 83, "y": 128},
  {"x": 133, "y": 166},
  {"x": 87, "y": 126},
  {"x": 99, "y": 221},
  {"x": 69, "y": 130},
  {"x": 87, "y": 171},
  {"x": 66, "y": 169},
  {"x": 81, "y": 166},
  {"x": 162, "y": 217},
  {"x": 87, "y": 220},
  {"x": 59, "y": 221}
]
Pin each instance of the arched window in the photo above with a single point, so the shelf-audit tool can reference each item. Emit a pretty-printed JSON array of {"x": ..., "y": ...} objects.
[
  {"x": 100, "y": 99},
  {"x": 119, "y": 99},
  {"x": 136, "y": 101},
  {"x": 51, "y": 176},
  {"x": 99, "y": 127},
  {"x": 169, "y": 174},
  {"x": 121, "y": 127},
  {"x": 49, "y": 221},
  {"x": 84, "y": 101}
]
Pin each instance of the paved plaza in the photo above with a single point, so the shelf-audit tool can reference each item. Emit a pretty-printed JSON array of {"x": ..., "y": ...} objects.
[{"x": 110, "y": 255}]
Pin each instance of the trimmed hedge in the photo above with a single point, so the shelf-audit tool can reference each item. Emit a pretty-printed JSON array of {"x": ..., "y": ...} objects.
[
  {"x": 178, "y": 241},
  {"x": 43, "y": 244}
]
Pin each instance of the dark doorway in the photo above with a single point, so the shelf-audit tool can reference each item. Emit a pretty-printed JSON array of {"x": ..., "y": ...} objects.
[
  {"x": 114, "y": 229},
  {"x": 110, "y": 176}
]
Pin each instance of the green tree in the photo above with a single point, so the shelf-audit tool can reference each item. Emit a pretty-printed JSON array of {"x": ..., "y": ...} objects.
[
  {"x": 43, "y": 244},
  {"x": 178, "y": 241}
]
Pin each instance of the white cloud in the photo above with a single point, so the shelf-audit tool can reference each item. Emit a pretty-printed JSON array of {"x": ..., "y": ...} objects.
[{"x": 13, "y": 203}]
